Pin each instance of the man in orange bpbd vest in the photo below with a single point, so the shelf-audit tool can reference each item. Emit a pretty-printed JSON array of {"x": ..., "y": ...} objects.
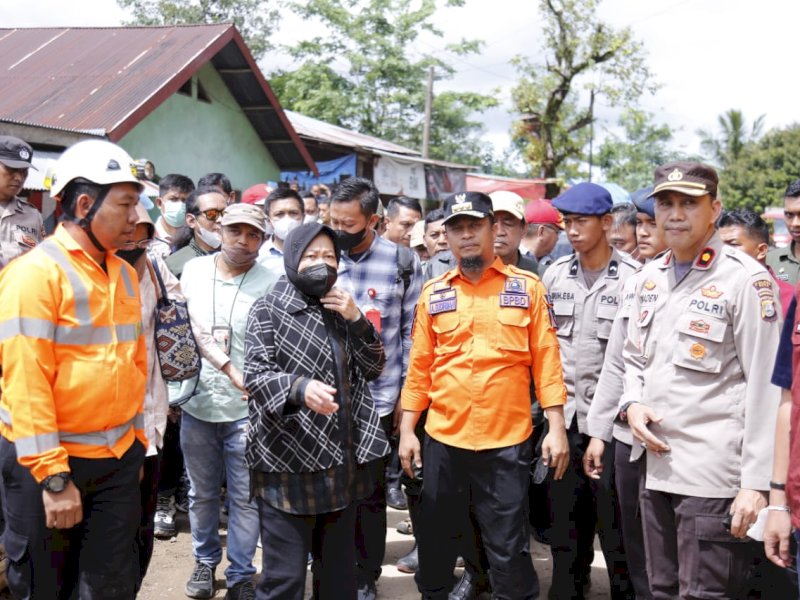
[
  {"x": 482, "y": 332},
  {"x": 73, "y": 372}
]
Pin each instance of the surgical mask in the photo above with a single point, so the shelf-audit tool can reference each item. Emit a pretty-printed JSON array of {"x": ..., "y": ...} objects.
[
  {"x": 308, "y": 219},
  {"x": 316, "y": 280},
  {"x": 238, "y": 257},
  {"x": 131, "y": 256},
  {"x": 348, "y": 241},
  {"x": 281, "y": 227},
  {"x": 174, "y": 212},
  {"x": 210, "y": 238}
]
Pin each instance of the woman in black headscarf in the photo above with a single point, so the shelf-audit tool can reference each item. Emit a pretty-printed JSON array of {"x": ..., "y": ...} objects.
[{"x": 309, "y": 353}]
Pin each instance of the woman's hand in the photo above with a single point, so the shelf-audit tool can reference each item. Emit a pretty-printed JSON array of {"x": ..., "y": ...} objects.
[
  {"x": 341, "y": 302},
  {"x": 319, "y": 397}
]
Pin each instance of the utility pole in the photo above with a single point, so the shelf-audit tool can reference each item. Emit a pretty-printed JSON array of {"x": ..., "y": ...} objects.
[
  {"x": 426, "y": 127},
  {"x": 591, "y": 131}
]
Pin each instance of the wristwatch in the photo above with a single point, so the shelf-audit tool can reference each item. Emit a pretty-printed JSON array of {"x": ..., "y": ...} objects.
[
  {"x": 623, "y": 412},
  {"x": 56, "y": 483}
]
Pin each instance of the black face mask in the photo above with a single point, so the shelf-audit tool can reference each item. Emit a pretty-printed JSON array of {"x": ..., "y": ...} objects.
[
  {"x": 348, "y": 241},
  {"x": 130, "y": 256},
  {"x": 317, "y": 280}
]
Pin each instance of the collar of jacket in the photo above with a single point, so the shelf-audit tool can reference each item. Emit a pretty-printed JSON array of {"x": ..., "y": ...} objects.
[{"x": 289, "y": 296}]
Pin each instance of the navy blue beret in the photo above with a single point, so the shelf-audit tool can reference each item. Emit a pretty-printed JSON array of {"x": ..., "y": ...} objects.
[
  {"x": 584, "y": 199},
  {"x": 644, "y": 202}
]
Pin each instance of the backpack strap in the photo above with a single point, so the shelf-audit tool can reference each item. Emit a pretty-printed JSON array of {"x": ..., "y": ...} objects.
[{"x": 405, "y": 265}]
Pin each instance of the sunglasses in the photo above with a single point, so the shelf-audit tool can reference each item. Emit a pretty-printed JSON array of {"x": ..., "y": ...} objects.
[{"x": 213, "y": 214}]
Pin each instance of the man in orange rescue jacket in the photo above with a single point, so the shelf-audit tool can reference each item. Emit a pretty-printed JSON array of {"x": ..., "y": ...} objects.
[{"x": 73, "y": 374}]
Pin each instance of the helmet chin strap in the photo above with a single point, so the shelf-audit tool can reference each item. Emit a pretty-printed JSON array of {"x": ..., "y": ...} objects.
[{"x": 86, "y": 222}]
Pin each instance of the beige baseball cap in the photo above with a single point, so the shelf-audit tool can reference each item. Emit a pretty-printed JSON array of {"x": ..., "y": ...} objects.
[
  {"x": 249, "y": 214},
  {"x": 503, "y": 200},
  {"x": 417, "y": 232}
]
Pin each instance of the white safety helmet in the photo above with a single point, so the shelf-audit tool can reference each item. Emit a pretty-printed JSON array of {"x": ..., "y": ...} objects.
[{"x": 98, "y": 161}]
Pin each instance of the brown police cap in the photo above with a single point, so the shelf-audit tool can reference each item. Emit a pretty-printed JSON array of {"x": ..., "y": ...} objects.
[{"x": 690, "y": 178}]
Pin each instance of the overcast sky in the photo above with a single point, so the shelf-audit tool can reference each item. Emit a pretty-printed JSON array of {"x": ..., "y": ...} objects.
[{"x": 708, "y": 55}]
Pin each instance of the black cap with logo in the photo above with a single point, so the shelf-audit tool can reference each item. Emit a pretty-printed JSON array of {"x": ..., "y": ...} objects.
[{"x": 471, "y": 204}]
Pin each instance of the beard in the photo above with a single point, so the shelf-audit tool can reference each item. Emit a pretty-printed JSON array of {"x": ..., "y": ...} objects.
[{"x": 471, "y": 263}]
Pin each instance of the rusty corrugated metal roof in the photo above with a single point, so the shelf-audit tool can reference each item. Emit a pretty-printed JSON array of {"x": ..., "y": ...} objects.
[
  {"x": 321, "y": 131},
  {"x": 109, "y": 79}
]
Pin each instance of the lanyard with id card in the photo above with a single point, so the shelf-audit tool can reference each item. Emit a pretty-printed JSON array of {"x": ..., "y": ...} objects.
[{"x": 223, "y": 334}]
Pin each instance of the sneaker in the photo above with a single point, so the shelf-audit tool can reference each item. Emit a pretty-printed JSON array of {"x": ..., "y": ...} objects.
[
  {"x": 395, "y": 498},
  {"x": 404, "y": 527},
  {"x": 201, "y": 582},
  {"x": 164, "y": 520},
  {"x": 241, "y": 591},
  {"x": 367, "y": 591},
  {"x": 410, "y": 562},
  {"x": 182, "y": 493}
]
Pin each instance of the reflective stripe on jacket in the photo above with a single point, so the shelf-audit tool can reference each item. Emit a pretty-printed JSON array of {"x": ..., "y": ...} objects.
[{"x": 73, "y": 356}]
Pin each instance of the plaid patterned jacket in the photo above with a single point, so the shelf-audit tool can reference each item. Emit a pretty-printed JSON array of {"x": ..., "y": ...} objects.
[{"x": 286, "y": 340}]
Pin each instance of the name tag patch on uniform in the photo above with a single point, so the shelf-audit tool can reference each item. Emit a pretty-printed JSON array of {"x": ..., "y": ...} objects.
[
  {"x": 707, "y": 306},
  {"x": 610, "y": 300},
  {"x": 562, "y": 296},
  {"x": 441, "y": 306},
  {"x": 514, "y": 285},
  {"x": 515, "y": 300}
]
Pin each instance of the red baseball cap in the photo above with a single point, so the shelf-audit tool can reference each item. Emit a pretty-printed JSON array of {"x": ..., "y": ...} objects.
[
  {"x": 256, "y": 194},
  {"x": 541, "y": 211}
]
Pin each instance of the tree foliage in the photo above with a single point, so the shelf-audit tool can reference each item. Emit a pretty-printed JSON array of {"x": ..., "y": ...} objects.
[
  {"x": 255, "y": 19},
  {"x": 760, "y": 175},
  {"x": 579, "y": 53},
  {"x": 726, "y": 147},
  {"x": 368, "y": 73},
  {"x": 630, "y": 159}
]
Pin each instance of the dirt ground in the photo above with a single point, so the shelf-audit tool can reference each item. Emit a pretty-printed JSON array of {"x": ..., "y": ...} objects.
[{"x": 172, "y": 563}]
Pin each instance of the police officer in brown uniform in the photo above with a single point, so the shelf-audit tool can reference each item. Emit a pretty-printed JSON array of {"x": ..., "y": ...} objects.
[
  {"x": 21, "y": 225},
  {"x": 697, "y": 396},
  {"x": 585, "y": 289}
]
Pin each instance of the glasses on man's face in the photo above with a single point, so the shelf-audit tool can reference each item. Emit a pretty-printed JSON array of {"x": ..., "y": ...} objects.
[
  {"x": 213, "y": 214},
  {"x": 142, "y": 244}
]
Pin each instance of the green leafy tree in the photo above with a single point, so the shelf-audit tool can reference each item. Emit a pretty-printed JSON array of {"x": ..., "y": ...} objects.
[
  {"x": 367, "y": 73},
  {"x": 254, "y": 19},
  {"x": 760, "y": 175},
  {"x": 726, "y": 147},
  {"x": 630, "y": 159},
  {"x": 582, "y": 61}
]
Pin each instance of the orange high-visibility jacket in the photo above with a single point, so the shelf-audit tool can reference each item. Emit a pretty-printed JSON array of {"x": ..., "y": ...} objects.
[{"x": 73, "y": 356}]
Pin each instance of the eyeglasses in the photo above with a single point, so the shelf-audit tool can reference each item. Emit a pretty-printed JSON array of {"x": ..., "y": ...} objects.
[
  {"x": 213, "y": 214},
  {"x": 142, "y": 244}
]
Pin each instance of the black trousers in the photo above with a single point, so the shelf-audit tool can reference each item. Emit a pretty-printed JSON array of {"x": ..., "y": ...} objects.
[
  {"x": 626, "y": 476},
  {"x": 287, "y": 539},
  {"x": 96, "y": 559},
  {"x": 171, "y": 460},
  {"x": 370, "y": 535},
  {"x": 148, "y": 490},
  {"x": 491, "y": 487},
  {"x": 580, "y": 506}
]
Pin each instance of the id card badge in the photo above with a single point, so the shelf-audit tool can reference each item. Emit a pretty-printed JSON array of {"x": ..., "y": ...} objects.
[{"x": 222, "y": 337}]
